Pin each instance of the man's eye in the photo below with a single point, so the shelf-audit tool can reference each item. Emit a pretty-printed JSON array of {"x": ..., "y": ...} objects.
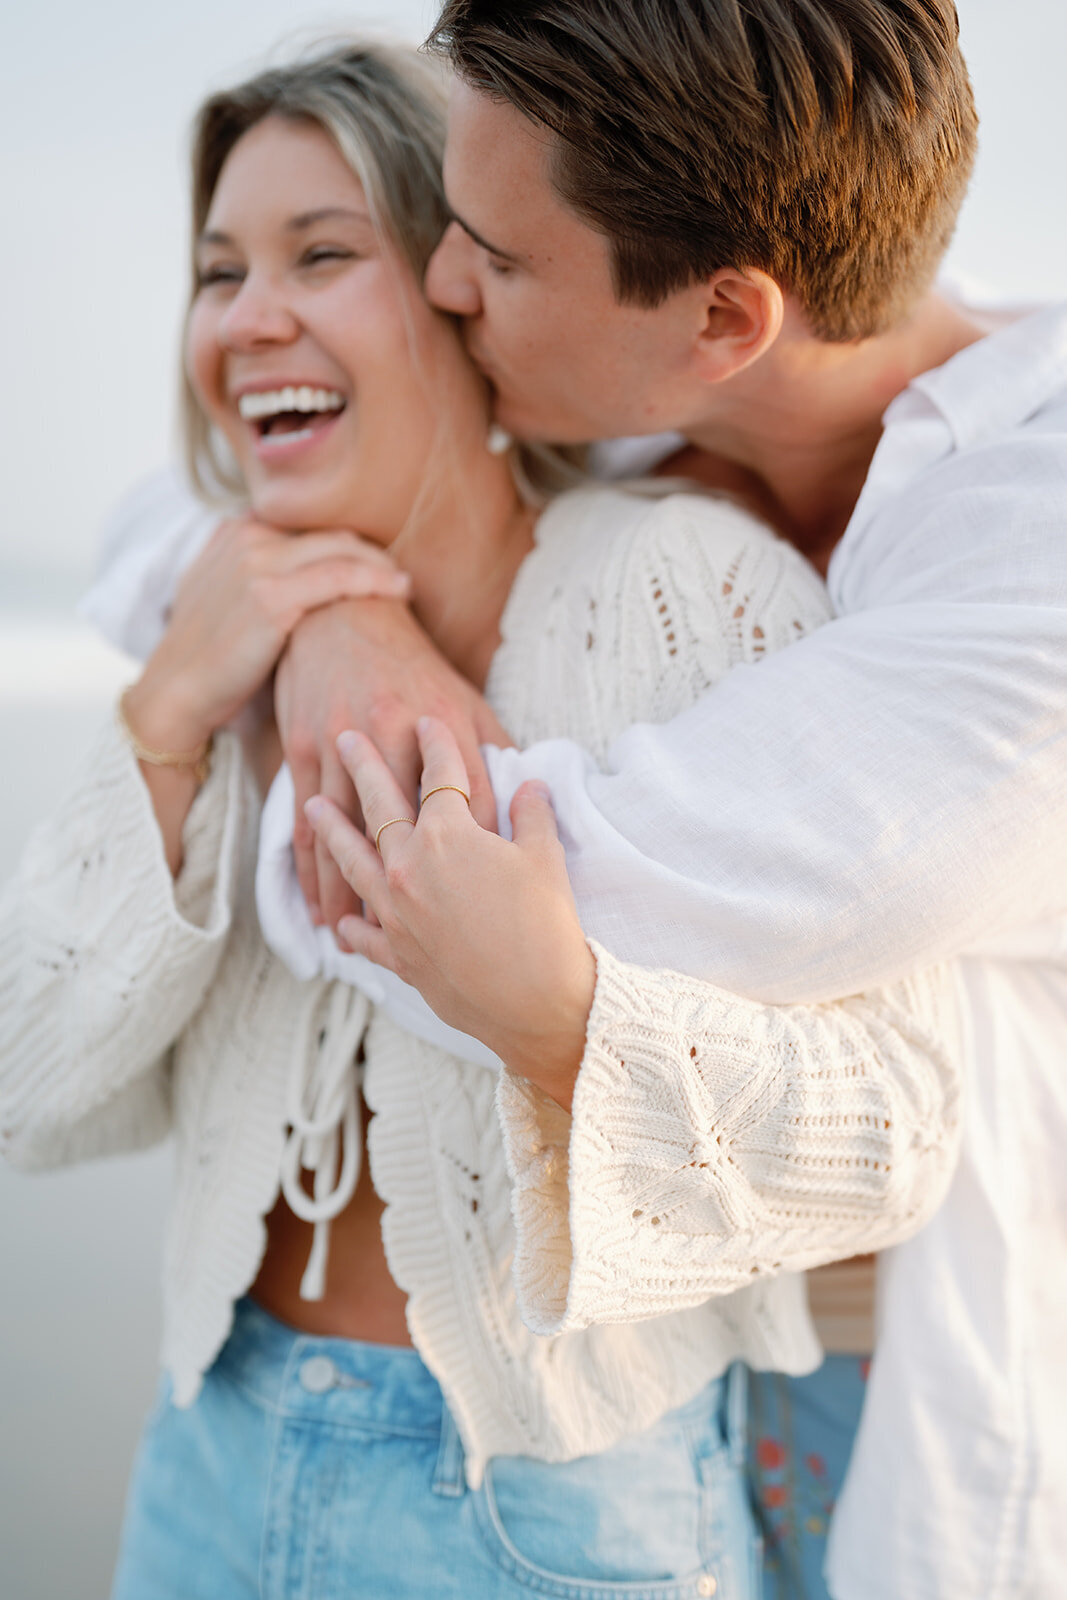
[{"x": 500, "y": 269}]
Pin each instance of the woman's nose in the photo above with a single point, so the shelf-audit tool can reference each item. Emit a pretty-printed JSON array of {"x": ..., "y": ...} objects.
[
  {"x": 451, "y": 281},
  {"x": 256, "y": 316}
]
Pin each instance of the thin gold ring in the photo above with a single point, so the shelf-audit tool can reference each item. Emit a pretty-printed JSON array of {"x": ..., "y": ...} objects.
[
  {"x": 389, "y": 824},
  {"x": 441, "y": 786}
]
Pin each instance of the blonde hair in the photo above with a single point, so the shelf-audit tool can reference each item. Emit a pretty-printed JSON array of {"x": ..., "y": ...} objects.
[{"x": 384, "y": 108}]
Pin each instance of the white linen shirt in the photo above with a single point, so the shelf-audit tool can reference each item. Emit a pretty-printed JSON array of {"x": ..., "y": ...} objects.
[{"x": 890, "y": 792}]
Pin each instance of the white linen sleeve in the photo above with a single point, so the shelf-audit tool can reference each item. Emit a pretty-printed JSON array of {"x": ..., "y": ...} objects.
[
  {"x": 714, "y": 1139},
  {"x": 104, "y": 957},
  {"x": 885, "y": 794},
  {"x": 147, "y": 542}
]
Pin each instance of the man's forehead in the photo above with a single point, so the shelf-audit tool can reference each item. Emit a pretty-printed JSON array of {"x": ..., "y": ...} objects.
[{"x": 497, "y": 171}]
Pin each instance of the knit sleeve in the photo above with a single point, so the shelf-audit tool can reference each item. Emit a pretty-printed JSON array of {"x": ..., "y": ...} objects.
[
  {"x": 715, "y": 1139},
  {"x": 104, "y": 957}
]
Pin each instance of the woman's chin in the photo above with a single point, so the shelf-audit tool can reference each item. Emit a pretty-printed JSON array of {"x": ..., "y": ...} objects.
[{"x": 295, "y": 506}]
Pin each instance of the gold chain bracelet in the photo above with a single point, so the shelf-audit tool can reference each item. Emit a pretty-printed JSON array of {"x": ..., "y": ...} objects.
[{"x": 199, "y": 759}]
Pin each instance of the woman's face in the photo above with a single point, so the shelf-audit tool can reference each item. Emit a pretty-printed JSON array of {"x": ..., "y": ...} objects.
[{"x": 310, "y": 346}]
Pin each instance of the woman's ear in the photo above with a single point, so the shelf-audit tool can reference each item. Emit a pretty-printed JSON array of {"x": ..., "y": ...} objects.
[{"x": 743, "y": 312}]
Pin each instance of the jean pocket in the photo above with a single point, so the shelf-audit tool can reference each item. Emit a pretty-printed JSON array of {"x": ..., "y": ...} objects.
[{"x": 626, "y": 1522}]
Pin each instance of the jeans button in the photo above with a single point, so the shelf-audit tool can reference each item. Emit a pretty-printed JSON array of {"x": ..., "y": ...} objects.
[{"x": 318, "y": 1374}]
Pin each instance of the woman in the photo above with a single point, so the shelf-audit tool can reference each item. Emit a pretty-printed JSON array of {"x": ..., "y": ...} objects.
[{"x": 383, "y": 1420}]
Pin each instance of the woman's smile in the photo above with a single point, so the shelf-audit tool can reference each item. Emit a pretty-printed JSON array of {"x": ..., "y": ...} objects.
[{"x": 283, "y": 419}]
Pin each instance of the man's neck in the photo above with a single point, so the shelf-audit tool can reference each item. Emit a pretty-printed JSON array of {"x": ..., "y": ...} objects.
[{"x": 805, "y": 421}]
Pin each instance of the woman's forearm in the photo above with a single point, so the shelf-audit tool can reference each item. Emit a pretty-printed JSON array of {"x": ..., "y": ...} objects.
[
  {"x": 171, "y": 788},
  {"x": 234, "y": 611},
  {"x": 715, "y": 1140},
  {"x": 104, "y": 957}
]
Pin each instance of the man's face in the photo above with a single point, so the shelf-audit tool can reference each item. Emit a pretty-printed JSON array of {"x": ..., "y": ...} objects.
[{"x": 533, "y": 284}]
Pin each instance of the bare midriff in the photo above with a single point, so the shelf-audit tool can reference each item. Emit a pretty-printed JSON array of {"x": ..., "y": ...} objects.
[{"x": 361, "y": 1301}]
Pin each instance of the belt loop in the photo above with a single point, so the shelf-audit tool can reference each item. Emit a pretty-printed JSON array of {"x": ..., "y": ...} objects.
[
  {"x": 736, "y": 1406},
  {"x": 448, "y": 1478}
]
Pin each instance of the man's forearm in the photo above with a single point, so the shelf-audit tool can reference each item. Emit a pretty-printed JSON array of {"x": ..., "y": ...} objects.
[{"x": 858, "y": 806}]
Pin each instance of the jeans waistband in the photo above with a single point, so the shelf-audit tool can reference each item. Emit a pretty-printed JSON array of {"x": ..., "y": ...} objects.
[
  {"x": 345, "y": 1382},
  {"x": 389, "y": 1389}
]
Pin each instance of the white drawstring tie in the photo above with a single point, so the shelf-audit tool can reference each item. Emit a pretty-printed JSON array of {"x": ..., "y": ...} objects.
[{"x": 322, "y": 1109}]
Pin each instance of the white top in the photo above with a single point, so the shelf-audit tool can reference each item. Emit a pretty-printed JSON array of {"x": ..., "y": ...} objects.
[{"x": 129, "y": 1003}]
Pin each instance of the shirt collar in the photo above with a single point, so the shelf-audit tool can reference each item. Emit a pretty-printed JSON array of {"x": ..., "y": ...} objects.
[{"x": 995, "y": 384}]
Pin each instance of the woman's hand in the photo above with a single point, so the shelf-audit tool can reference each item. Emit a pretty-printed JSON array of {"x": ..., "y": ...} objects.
[
  {"x": 234, "y": 611},
  {"x": 371, "y": 667},
  {"x": 486, "y": 929}
]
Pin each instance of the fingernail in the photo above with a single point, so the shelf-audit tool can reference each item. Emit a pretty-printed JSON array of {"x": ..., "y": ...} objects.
[
  {"x": 346, "y": 742},
  {"x": 423, "y": 725},
  {"x": 314, "y": 808},
  {"x": 346, "y": 926},
  {"x": 541, "y": 790}
]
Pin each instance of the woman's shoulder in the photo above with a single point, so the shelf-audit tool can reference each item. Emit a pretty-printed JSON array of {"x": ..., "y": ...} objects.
[
  {"x": 614, "y": 514},
  {"x": 631, "y": 605},
  {"x": 692, "y": 542}
]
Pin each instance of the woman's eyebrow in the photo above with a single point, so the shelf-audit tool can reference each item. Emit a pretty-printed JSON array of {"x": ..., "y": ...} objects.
[{"x": 308, "y": 219}]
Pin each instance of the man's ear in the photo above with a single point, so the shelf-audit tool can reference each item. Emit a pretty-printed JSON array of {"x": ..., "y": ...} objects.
[{"x": 743, "y": 312}]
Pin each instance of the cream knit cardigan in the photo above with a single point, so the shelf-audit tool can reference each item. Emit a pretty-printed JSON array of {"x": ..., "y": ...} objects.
[{"x": 569, "y": 1279}]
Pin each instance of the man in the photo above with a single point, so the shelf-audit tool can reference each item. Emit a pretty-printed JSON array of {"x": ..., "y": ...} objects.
[{"x": 725, "y": 220}]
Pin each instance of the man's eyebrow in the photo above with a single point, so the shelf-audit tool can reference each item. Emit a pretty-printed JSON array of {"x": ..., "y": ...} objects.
[{"x": 494, "y": 250}]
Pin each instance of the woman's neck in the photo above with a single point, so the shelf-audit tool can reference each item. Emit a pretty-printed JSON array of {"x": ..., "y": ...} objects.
[{"x": 463, "y": 545}]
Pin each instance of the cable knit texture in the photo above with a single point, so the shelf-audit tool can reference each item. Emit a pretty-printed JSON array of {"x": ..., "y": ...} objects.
[{"x": 568, "y": 1281}]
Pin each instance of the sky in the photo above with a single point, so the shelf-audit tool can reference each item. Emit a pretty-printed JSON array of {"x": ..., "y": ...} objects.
[{"x": 95, "y": 102}]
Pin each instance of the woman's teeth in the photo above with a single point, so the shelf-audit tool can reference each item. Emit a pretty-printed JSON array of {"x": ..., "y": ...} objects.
[{"x": 286, "y": 410}]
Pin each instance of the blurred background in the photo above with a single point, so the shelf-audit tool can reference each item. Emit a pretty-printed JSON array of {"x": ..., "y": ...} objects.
[{"x": 94, "y": 106}]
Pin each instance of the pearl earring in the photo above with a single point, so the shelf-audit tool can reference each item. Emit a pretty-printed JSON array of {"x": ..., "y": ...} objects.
[{"x": 498, "y": 441}]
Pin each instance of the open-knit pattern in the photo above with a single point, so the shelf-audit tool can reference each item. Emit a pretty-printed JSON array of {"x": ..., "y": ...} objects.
[{"x": 558, "y": 1273}]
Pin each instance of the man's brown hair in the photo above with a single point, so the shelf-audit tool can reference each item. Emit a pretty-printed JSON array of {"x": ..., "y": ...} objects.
[{"x": 826, "y": 142}]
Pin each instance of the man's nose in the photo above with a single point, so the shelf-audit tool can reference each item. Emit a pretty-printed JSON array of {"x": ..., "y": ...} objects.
[
  {"x": 257, "y": 316},
  {"x": 451, "y": 283}
]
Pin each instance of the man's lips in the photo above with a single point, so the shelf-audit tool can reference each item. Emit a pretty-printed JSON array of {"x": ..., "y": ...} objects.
[{"x": 477, "y": 356}]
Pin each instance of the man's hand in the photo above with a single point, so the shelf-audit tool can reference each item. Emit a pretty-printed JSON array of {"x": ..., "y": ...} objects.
[{"x": 368, "y": 666}]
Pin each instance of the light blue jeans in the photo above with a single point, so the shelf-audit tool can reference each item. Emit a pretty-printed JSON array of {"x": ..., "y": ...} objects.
[{"x": 327, "y": 1469}]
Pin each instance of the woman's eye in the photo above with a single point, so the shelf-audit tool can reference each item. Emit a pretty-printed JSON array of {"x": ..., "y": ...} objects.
[
  {"x": 326, "y": 252},
  {"x": 206, "y": 276}
]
